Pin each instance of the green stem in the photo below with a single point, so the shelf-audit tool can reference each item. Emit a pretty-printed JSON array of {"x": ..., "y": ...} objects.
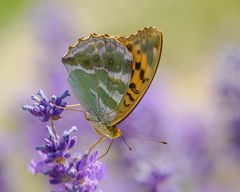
[{"x": 53, "y": 129}]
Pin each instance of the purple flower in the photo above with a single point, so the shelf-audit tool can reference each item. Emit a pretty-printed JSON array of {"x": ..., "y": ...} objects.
[
  {"x": 3, "y": 183},
  {"x": 47, "y": 109},
  {"x": 75, "y": 173},
  {"x": 228, "y": 88},
  {"x": 154, "y": 179},
  {"x": 53, "y": 34},
  {"x": 86, "y": 174},
  {"x": 235, "y": 136},
  {"x": 140, "y": 173},
  {"x": 228, "y": 77},
  {"x": 56, "y": 148},
  {"x": 153, "y": 176}
]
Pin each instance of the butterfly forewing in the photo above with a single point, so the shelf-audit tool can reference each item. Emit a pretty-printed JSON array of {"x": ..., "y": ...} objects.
[
  {"x": 145, "y": 47},
  {"x": 99, "y": 73}
]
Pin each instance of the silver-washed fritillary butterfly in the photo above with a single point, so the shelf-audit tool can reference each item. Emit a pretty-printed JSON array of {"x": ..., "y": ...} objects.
[{"x": 109, "y": 75}]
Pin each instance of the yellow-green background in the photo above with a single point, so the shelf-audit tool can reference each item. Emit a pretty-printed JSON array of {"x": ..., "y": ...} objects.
[{"x": 194, "y": 32}]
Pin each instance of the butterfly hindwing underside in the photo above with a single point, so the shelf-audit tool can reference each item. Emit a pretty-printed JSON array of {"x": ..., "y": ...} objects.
[
  {"x": 99, "y": 70},
  {"x": 110, "y": 75}
]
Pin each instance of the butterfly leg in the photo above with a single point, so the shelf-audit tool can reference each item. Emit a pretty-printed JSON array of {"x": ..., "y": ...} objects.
[
  {"x": 74, "y": 105},
  {"x": 109, "y": 147},
  {"x": 101, "y": 139},
  {"x": 69, "y": 107}
]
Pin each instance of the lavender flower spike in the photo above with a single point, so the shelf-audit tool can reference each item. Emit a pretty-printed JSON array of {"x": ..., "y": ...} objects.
[
  {"x": 46, "y": 109},
  {"x": 74, "y": 173}
]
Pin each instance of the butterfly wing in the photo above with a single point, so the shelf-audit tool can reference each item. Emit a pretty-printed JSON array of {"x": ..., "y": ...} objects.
[
  {"x": 146, "y": 47},
  {"x": 99, "y": 70}
]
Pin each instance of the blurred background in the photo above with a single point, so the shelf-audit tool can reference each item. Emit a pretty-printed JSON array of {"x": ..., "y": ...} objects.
[{"x": 193, "y": 102}]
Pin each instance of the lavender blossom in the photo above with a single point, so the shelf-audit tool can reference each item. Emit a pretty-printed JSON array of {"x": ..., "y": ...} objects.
[
  {"x": 148, "y": 173},
  {"x": 3, "y": 183},
  {"x": 56, "y": 148},
  {"x": 47, "y": 109},
  {"x": 74, "y": 173},
  {"x": 71, "y": 172},
  {"x": 153, "y": 176},
  {"x": 228, "y": 88},
  {"x": 52, "y": 33},
  {"x": 153, "y": 180},
  {"x": 228, "y": 77}
]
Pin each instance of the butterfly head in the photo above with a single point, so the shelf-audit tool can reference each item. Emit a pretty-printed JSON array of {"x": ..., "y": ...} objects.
[{"x": 111, "y": 132}]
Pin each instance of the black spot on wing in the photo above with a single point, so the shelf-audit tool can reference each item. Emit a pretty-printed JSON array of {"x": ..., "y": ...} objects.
[
  {"x": 126, "y": 105},
  {"x": 130, "y": 96},
  {"x": 132, "y": 73},
  {"x": 144, "y": 80},
  {"x": 137, "y": 65},
  {"x": 133, "y": 88},
  {"x": 129, "y": 47},
  {"x": 141, "y": 74}
]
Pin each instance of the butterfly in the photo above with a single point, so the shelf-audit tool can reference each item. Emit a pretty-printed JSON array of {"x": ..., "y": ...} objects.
[{"x": 109, "y": 75}]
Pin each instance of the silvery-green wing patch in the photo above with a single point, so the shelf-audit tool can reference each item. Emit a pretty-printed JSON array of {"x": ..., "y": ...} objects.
[{"x": 99, "y": 70}]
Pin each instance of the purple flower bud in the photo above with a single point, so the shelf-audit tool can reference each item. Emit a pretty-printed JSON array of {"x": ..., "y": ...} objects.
[
  {"x": 65, "y": 94},
  {"x": 47, "y": 109},
  {"x": 42, "y": 95},
  {"x": 54, "y": 181},
  {"x": 67, "y": 155},
  {"x": 72, "y": 142}
]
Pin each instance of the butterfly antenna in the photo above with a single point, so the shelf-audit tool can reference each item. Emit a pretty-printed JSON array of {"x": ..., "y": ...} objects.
[
  {"x": 130, "y": 148},
  {"x": 148, "y": 138}
]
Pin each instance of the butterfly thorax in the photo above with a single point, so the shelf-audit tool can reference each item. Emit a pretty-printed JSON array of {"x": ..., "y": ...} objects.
[{"x": 111, "y": 132}]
